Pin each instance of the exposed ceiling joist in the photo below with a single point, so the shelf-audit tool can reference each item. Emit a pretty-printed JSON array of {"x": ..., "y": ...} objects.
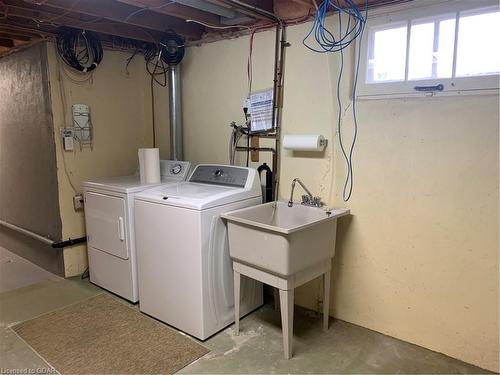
[
  {"x": 147, "y": 20},
  {"x": 18, "y": 27},
  {"x": 6, "y": 43},
  {"x": 78, "y": 21},
  {"x": 123, "y": 13},
  {"x": 14, "y": 36}
]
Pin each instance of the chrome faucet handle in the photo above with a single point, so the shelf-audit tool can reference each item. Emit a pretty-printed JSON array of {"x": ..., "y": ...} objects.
[
  {"x": 306, "y": 199},
  {"x": 316, "y": 201}
]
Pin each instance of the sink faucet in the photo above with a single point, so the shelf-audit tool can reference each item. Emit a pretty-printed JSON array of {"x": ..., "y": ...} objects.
[{"x": 307, "y": 199}]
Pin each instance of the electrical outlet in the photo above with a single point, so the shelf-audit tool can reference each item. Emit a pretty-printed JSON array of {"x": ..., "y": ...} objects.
[
  {"x": 68, "y": 139},
  {"x": 78, "y": 201}
]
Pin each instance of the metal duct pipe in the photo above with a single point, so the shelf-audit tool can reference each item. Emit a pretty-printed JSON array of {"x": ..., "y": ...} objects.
[
  {"x": 208, "y": 7},
  {"x": 174, "y": 98}
]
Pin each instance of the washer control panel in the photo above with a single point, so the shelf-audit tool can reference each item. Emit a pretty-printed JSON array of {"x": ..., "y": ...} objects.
[
  {"x": 174, "y": 169},
  {"x": 225, "y": 175}
]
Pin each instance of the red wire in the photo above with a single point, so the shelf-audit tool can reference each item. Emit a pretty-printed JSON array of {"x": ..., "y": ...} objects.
[{"x": 261, "y": 28}]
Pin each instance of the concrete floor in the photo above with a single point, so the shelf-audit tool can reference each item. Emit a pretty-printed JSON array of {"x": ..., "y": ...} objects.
[
  {"x": 16, "y": 272},
  {"x": 345, "y": 348}
]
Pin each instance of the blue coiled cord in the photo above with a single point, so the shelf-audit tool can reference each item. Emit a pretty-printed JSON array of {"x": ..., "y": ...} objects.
[{"x": 326, "y": 42}]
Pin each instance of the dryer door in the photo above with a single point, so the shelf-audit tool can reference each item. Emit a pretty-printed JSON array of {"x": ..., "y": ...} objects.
[{"x": 106, "y": 221}]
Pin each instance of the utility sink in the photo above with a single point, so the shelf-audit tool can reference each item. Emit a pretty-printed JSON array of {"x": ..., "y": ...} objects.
[
  {"x": 284, "y": 247},
  {"x": 282, "y": 240}
]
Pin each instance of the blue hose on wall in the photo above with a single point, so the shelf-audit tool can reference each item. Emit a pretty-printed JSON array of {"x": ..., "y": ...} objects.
[{"x": 325, "y": 41}]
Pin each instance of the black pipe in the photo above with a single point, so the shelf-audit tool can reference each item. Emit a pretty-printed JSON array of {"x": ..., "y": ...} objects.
[
  {"x": 268, "y": 190},
  {"x": 251, "y": 148},
  {"x": 69, "y": 242}
]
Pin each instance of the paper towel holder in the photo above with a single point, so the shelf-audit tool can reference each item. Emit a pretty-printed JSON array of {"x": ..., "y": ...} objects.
[{"x": 305, "y": 142}]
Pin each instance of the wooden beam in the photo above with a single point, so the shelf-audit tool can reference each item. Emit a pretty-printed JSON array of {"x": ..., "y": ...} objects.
[
  {"x": 14, "y": 36},
  {"x": 31, "y": 28},
  {"x": 63, "y": 19},
  {"x": 175, "y": 10},
  {"x": 6, "y": 43},
  {"x": 28, "y": 30},
  {"x": 122, "y": 13},
  {"x": 19, "y": 43}
]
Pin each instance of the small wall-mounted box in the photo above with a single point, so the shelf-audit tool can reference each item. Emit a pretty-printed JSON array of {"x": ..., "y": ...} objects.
[{"x": 78, "y": 202}]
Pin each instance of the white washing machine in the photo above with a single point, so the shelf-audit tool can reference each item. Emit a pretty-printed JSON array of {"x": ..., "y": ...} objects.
[
  {"x": 109, "y": 218},
  {"x": 185, "y": 272}
]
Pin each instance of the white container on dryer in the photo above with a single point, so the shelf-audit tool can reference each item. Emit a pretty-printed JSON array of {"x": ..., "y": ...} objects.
[
  {"x": 109, "y": 218},
  {"x": 185, "y": 272}
]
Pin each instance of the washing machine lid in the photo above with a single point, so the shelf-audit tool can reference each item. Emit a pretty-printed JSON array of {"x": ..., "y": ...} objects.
[
  {"x": 171, "y": 171},
  {"x": 208, "y": 186},
  {"x": 195, "y": 196}
]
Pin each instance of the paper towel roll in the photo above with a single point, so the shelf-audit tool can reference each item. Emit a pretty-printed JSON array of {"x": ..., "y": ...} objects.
[
  {"x": 304, "y": 142},
  {"x": 149, "y": 165},
  {"x": 142, "y": 172}
]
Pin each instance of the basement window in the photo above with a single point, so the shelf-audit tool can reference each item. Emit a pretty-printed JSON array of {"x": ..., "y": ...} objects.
[{"x": 446, "y": 49}]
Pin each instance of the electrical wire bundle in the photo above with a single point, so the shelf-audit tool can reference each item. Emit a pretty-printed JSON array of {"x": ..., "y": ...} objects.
[
  {"x": 170, "y": 51},
  {"x": 155, "y": 65},
  {"x": 327, "y": 42},
  {"x": 80, "y": 49}
]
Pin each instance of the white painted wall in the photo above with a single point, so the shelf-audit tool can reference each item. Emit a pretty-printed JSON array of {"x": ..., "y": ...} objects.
[
  {"x": 418, "y": 258},
  {"x": 120, "y": 105}
]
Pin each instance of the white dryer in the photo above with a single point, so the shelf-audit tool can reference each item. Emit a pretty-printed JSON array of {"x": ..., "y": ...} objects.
[
  {"x": 185, "y": 272},
  {"x": 109, "y": 218}
]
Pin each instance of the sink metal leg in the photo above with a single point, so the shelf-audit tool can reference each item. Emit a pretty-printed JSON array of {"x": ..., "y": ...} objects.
[
  {"x": 326, "y": 299},
  {"x": 237, "y": 278},
  {"x": 286, "y": 302}
]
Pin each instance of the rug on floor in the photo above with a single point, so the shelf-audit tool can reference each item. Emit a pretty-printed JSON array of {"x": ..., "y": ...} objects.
[{"x": 102, "y": 335}]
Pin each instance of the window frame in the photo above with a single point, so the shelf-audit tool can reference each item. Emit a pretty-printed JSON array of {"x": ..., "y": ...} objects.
[{"x": 425, "y": 11}]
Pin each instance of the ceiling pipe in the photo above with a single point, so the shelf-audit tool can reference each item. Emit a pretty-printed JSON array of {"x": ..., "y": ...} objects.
[
  {"x": 254, "y": 9},
  {"x": 227, "y": 16},
  {"x": 208, "y": 7}
]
